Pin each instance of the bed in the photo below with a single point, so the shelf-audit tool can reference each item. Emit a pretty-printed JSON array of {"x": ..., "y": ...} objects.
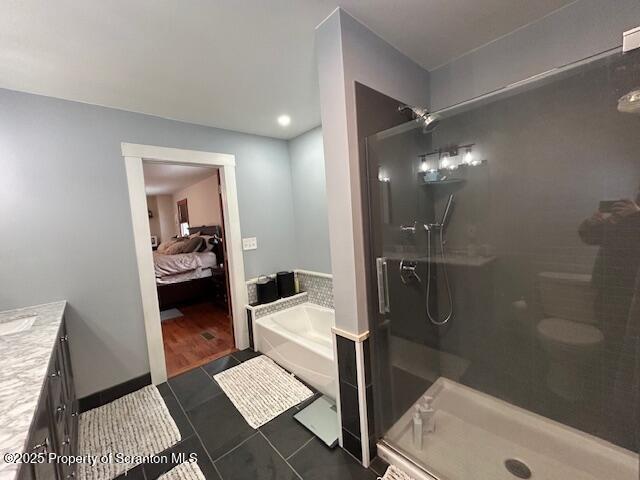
[{"x": 184, "y": 278}]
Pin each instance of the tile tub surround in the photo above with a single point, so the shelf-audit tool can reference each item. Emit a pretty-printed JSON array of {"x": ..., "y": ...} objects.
[
  {"x": 282, "y": 304},
  {"x": 318, "y": 285},
  {"x": 229, "y": 449},
  {"x": 25, "y": 359},
  {"x": 356, "y": 395}
]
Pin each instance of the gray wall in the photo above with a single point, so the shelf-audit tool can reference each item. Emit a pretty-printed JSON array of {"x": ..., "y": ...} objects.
[
  {"x": 349, "y": 52},
  {"x": 66, "y": 228},
  {"x": 310, "y": 201},
  {"x": 582, "y": 29}
]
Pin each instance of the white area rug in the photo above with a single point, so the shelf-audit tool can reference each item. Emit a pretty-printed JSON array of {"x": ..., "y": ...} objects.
[
  {"x": 394, "y": 473},
  {"x": 261, "y": 390},
  {"x": 136, "y": 424},
  {"x": 184, "y": 471},
  {"x": 170, "y": 313}
]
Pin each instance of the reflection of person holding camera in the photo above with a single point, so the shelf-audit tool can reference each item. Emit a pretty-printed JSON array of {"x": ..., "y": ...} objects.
[{"x": 615, "y": 227}]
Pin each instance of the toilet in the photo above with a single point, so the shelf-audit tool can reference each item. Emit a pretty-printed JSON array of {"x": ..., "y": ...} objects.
[{"x": 568, "y": 333}]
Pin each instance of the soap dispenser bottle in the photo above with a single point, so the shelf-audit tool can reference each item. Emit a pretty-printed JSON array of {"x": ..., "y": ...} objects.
[
  {"x": 429, "y": 414},
  {"x": 417, "y": 428}
]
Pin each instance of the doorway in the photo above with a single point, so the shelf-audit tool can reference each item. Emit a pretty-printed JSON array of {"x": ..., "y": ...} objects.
[
  {"x": 190, "y": 267},
  {"x": 225, "y": 234}
]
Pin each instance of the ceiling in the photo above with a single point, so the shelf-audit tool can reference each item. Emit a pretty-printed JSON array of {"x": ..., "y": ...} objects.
[
  {"x": 164, "y": 179},
  {"x": 234, "y": 64}
]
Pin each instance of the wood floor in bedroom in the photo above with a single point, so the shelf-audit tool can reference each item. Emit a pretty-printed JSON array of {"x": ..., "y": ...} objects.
[{"x": 201, "y": 335}]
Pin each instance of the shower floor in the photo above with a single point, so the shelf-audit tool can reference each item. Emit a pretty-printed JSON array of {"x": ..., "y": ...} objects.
[{"x": 476, "y": 433}]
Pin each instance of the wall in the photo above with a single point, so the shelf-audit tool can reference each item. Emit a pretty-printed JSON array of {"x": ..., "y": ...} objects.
[
  {"x": 54, "y": 156},
  {"x": 203, "y": 202},
  {"x": 580, "y": 30},
  {"x": 166, "y": 217},
  {"x": 154, "y": 222},
  {"x": 310, "y": 202},
  {"x": 347, "y": 52}
]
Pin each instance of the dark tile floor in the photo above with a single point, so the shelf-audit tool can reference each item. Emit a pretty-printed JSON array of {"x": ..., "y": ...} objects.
[{"x": 229, "y": 449}]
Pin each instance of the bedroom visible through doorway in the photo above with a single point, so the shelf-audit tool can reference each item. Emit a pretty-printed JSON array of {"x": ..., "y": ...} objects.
[{"x": 187, "y": 236}]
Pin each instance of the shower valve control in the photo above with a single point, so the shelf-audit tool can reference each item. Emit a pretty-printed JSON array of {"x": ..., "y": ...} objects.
[
  {"x": 409, "y": 228},
  {"x": 408, "y": 271}
]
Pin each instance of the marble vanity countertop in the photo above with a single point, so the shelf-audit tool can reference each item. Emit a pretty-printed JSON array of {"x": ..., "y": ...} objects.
[{"x": 24, "y": 360}]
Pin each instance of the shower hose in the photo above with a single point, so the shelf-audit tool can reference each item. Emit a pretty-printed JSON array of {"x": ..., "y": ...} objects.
[{"x": 436, "y": 321}]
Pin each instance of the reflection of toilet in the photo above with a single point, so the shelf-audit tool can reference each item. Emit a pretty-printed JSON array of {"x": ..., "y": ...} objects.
[{"x": 568, "y": 332}]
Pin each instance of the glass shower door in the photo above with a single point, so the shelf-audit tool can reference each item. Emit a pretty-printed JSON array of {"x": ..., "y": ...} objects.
[{"x": 506, "y": 246}]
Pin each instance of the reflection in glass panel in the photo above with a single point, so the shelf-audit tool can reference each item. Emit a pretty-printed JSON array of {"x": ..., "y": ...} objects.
[{"x": 511, "y": 234}]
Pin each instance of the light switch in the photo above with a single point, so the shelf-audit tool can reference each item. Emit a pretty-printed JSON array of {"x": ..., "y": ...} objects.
[{"x": 250, "y": 243}]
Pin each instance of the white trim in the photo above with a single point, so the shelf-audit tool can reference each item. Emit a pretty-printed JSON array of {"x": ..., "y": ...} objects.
[
  {"x": 134, "y": 155},
  {"x": 359, "y": 338},
  {"x": 362, "y": 404},
  {"x": 176, "y": 155},
  {"x": 297, "y": 270},
  {"x": 315, "y": 274}
]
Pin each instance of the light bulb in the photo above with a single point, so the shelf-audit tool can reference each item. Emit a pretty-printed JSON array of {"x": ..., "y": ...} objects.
[
  {"x": 424, "y": 166},
  {"x": 468, "y": 157},
  {"x": 284, "y": 120}
]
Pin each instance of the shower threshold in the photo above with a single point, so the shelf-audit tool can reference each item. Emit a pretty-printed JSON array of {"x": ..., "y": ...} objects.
[{"x": 481, "y": 437}]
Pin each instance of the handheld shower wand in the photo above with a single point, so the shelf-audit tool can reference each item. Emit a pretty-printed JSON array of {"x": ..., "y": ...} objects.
[{"x": 431, "y": 228}]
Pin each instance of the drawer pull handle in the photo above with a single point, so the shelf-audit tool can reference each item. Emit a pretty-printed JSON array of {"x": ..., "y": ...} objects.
[
  {"x": 64, "y": 338},
  {"x": 41, "y": 446},
  {"x": 55, "y": 374}
]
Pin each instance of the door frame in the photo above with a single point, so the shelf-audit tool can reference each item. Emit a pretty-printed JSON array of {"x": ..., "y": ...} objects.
[{"x": 134, "y": 155}]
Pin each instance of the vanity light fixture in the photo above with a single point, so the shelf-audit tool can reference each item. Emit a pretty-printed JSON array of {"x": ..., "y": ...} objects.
[
  {"x": 445, "y": 160},
  {"x": 468, "y": 156}
]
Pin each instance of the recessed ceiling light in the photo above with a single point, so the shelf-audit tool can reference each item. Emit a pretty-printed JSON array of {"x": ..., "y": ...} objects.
[{"x": 284, "y": 120}]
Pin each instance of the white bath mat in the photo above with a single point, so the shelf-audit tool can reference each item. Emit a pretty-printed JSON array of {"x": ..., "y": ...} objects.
[
  {"x": 394, "y": 473},
  {"x": 184, "y": 471},
  {"x": 261, "y": 390},
  {"x": 136, "y": 424},
  {"x": 170, "y": 313}
]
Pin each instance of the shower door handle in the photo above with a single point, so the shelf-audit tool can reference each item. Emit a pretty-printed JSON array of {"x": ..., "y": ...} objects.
[{"x": 383, "y": 285}]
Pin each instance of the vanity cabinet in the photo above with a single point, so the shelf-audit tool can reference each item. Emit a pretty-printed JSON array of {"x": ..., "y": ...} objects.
[{"x": 55, "y": 425}]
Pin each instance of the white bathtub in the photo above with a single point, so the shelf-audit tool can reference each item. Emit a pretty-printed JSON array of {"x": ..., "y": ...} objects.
[{"x": 299, "y": 339}]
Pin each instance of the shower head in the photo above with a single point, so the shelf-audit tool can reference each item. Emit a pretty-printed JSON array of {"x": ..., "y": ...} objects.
[
  {"x": 430, "y": 123},
  {"x": 630, "y": 103},
  {"x": 422, "y": 115}
]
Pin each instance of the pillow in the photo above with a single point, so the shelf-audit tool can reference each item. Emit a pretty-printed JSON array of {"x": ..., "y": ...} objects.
[
  {"x": 162, "y": 248},
  {"x": 197, "y": 234},
  {"x": 175, "y": 248},
  {"x": 192, "y": 245},
  {"x": 208, "y": 244}
]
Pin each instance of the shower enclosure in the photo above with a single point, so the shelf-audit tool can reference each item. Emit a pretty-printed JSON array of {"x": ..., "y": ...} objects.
[{"x": 510, "y": 347}]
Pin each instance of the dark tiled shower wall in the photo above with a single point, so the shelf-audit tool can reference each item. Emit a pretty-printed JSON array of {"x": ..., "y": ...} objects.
[
  {"x": 350, "y": 408},
  {"x": 319, "y": 286}
]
